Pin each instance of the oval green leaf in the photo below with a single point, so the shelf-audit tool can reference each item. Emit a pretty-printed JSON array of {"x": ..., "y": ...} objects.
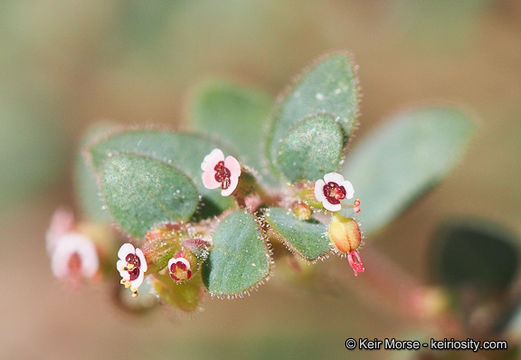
[
  {"x": 404, "y": 158},
  {"x": 311, "y": 149},
  {"x": 307, "y": 239},
  {"x": 239, "y": 259},
  {"x": 328, "y": 86},
  {"x": 141, "y": 192},
  {"x": 184, "y": 151}
]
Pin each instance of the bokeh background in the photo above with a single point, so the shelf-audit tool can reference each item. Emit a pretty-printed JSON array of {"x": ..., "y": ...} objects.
[{"x": 67, "y": 64}]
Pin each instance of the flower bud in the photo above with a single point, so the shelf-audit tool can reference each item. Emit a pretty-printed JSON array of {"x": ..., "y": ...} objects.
[
  {"x": 301, "y": 210},
  {"x": 346, "y": 236},
  {"x": 344, "y": 233}
]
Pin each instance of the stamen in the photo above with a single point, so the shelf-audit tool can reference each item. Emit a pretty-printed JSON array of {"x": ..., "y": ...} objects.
[{"x": 222, "y": 175}]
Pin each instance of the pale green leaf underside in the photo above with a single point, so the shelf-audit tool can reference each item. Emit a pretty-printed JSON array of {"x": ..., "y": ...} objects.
[
  {"x": 239, "y": 258},
  {"x": 329, "y": 86},
  {"x": 308, "y": 239},
  {"x": 184, "y": 151},
  {"x": 141, "y": 192},
  {"x": 403, "y": 158},
  {"x": 311, "y": 149},
  {"x": 237, "y": 115}
]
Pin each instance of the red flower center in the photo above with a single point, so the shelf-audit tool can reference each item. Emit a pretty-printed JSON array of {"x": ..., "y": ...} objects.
[
  {"x": 222, "y": 175},
  {"x": 133, "y": 259},
  {"x": 179, "y": 271},
  {"x": 334, "y": 192}
]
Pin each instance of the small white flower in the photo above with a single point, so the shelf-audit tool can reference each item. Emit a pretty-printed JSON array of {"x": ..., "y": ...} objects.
[
  {"x": 220, "y": 172},
  {"x": 74, "y": 256},
  {"x": 132, "y": 266},
  {"x": 179, "y": 268},
  {"x": 332, "y": 190}
]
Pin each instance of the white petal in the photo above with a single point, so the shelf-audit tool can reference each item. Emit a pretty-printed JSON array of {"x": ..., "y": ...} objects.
[
  {"x": 62, "y": 222},
  {"x": 89, "y": 259},
  {"x": 319, "y": 190},
  {"x": 333, "y": 177},
  {"x": 125, "y": 249},
  {"x": 70, "y": 244},
  {"x": 124, "y": 274},
  {"x": 350, "y": 190},
  {"x": 331, "y": 207},
  {"x": 233, "y": 165},
  {"x": 234, "y": 180},
  {"x": 143, "y": 266},
  {"x": 184, "y": 261},
  {"x": 170, "y": 262},
  {"x": 137, "y": 283},
  {"x": 120, "y": 265},
  {"x": 212, "y": 159},
  {"x": 209, "y": 181}
]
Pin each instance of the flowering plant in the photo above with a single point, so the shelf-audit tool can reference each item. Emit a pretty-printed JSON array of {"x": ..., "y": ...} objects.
[{"x": 206, "y": 213}]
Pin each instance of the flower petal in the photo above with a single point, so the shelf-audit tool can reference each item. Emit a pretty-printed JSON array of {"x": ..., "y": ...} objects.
[
  {"x": 334, "y": 177},
  {"x": 89, "y": 259},
  {"x": 331, "y": 207},
  {"x": 319, "y": 190},
  {"x": 144, "y": 266},
  {"x": 233, "y": 165},
  {"x": 234, "y": 180},
  {"x": 62, "y": 222},
  {"x": 184, "y": 261},
  {"x": 209, "y": 181},
  {"x": 350, "y": 190},
  {"x": 212, "y": 159},
  {"x": 125, "y": 249}
]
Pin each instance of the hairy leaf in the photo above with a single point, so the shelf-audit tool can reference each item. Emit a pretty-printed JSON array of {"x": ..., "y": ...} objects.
[
  {"x": 306, "y": 238},
  {"x": 141, "y": 192},
  {"x": 311, "y": 149},
  {"x": 184, "y": 151},
  {"x": 328, "y": 86},
  {"x": 239, "y": 259}
]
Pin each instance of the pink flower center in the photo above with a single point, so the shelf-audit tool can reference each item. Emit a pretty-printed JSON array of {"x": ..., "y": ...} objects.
[
  {"x": 179, "y": 271},
  {"x": 334, "y": 192},
  {"x": 222, "y": 175},
  {"x": 74, "y": 265},
  {"x": 134, "y": 264}
]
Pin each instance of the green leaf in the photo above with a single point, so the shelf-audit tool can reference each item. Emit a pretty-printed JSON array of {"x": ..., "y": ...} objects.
[
  {"x": 305, "y": 238},
  {"x": 474, "y": 254},
  {"x": 141, "y": 192},
  {"x": 403, "y": 158},
  {"x": 184, "y": 151},
  {"x": 311, "y": 149},
  {"x": 328, "y": 86},
  {"x": 87, "y": 191},
  {"x": 239, "y": 259},
  {"x": 237, "y": 115}
]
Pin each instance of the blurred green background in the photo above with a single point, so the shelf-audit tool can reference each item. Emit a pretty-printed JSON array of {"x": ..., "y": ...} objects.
[{"x": 65, "y": 65}]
